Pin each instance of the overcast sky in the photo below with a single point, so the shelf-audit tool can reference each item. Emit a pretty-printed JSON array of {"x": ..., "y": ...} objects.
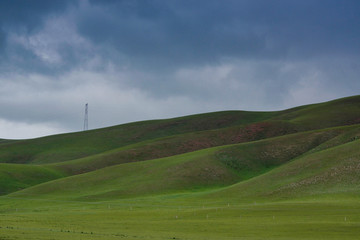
[{"x": 136, "y": 60}]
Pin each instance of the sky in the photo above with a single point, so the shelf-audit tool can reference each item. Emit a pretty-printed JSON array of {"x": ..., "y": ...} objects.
[{"x": 133, "y": 60}]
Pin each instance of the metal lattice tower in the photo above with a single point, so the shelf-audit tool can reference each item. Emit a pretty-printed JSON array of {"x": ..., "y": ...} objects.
[{"x": 86, "y": 118}]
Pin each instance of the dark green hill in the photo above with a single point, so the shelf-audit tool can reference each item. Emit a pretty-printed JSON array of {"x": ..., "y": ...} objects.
[
  {"x": 75, "y": 145},
  {"x": 345, "y": 111},
  {"x": 334, "y": 171},
  {"x": 208, "y": 168},
  {"x": 248, "y": 125},
  {"x": 111, "y": 161},
  {"x": 14, "y": 177}
]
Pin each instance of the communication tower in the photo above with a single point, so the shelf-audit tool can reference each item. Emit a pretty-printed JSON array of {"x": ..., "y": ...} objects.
[{"x": 86, "y": 118}]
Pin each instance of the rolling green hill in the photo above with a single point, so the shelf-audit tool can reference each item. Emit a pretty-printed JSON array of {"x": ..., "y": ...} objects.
[
  {"x": 339, "y": 112},
  {"x": 75, "y": 145},
  {"x": 256, "y": 125},
  {"x": 333, "y": 171},
  {"x": 208, "y": 168},
  {"x": 155, "y": 139},
  {"x": 15, "y": 177},
  {"x": 291, "y": 174}
]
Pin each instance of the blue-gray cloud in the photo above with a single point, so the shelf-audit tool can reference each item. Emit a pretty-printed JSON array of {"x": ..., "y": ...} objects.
[
  {"x": 173, "y": 33},
  {"x": 206, "y": 31}
]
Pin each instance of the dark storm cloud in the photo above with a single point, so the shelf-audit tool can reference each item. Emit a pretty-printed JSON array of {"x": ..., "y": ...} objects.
[
  {"x": 29, "y": 14},
  {"x": 160, "y": 37},
  {"x": 188, "y": 32},
  {"x": 26, "y": 17},
  {"x": 171, "y": 34}
]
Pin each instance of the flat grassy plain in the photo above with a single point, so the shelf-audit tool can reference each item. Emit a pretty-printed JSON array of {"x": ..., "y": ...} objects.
[
  {"x": 180, "y": 217},
  {"x": 292, "y": 174}
]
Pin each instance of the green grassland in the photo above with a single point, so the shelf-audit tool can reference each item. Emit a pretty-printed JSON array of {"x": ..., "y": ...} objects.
[
  {"x": 292, "y": 174},
  {"x": 182, "y": 219}
]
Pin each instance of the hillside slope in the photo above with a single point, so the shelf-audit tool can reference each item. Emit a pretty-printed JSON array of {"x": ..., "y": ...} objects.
[
  {"x": 204, "y": 169},
  {"x": 14, "y": 177},
  {"x": 165, "y": 141},
  {"x": 81, "y": 144},
  {"x": 339, "y": 112},
  {"x": 72, "y": 146},
  {"x": 334, "y": 171},
  {"x": 174, "y": 145}
]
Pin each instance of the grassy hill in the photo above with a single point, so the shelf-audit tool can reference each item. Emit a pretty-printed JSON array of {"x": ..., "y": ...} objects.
[
  {"x": 75, "y": 145},
  {"x": 333, "y": 171},
  {"x": 257, "y": 125},
  {"x": 208, "y": 168},
  {"x": 15, "y": 177},
  {"x": 165, "y": 138},
  {"x": 339, "y": 112},
  {"x": 291, "y": 174}
]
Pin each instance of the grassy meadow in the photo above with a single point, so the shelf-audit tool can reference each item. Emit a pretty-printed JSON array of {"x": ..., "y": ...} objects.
[
  {"x": 181, "y": 217},
  {"x": 292, "y": 174}
]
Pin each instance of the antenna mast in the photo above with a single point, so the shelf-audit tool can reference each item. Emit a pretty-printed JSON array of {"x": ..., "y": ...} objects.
[{"x": 86, "y": 126}]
